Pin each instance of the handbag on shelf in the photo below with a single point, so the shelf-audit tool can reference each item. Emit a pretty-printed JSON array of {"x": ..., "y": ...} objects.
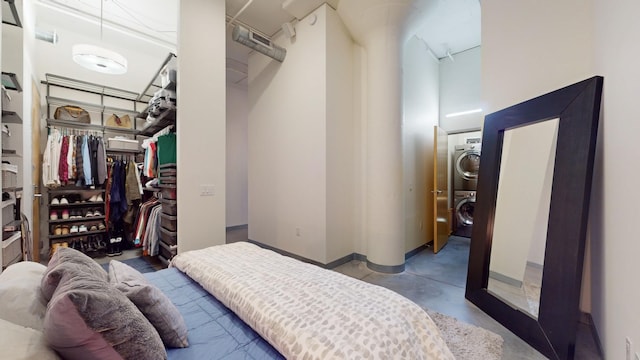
[
  {"x": 119, "y": 121},
  {"x": 72, "y": 113}
]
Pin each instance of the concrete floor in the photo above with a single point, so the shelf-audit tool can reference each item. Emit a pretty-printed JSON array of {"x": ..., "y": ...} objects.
[{"x": 437, "y": 282}]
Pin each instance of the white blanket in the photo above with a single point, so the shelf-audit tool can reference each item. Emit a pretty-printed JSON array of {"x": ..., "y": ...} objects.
[{"x": 307, "y": 312}]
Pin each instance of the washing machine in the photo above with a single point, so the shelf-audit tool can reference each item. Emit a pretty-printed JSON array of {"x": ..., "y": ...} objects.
[
  {"x": 464, "y": 205},
  {"x": 466, "y": 163}
]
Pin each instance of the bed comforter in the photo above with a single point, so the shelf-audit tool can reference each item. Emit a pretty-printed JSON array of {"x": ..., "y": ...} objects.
[{"x": 307, "y": 312}]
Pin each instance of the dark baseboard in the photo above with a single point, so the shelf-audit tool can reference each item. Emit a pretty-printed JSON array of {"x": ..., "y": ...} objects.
[
  {"x": 344, "y": 259},
  {"x": 237, "y": 227}
]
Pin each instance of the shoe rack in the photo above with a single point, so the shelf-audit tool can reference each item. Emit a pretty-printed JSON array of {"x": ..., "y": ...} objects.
[{"x": 77, "y": 220}]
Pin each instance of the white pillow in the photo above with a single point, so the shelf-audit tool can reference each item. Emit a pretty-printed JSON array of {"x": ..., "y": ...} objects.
[
  {"x": 20, "y": 299},
  {"x": 18, "y": 343}
]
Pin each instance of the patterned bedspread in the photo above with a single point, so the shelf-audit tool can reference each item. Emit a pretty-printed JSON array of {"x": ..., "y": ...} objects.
[{"x": 307, "y": 312}]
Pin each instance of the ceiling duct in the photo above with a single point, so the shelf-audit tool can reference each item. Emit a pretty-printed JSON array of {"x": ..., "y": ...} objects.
[
  {"x": 47, "y": 36},
  {"x": 257, "y": 42}
]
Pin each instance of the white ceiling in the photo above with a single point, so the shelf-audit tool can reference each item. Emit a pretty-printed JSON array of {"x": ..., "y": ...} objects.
[{"x": 150, "y": 26}]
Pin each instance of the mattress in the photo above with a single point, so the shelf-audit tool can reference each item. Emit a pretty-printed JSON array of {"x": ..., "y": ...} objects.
[{"x": 215, "y": 332}]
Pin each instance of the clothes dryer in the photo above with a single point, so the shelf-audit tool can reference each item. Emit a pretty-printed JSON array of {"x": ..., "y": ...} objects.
[
  {"x": 464, "y": 206},
  {"x": 466, "y": 163}
]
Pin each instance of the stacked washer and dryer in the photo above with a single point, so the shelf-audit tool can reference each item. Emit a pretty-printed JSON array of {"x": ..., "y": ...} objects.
[{"x": 466, "y": 163}]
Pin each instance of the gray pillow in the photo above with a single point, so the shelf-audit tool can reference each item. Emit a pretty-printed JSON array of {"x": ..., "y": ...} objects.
[
  {"x": 68, "y": 262},
  {"x": 154, "y": 304},
  {"x": 88, "y": 318}
]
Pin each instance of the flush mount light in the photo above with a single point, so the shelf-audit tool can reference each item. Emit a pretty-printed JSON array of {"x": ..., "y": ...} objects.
[{"x": 99, "y": 59}]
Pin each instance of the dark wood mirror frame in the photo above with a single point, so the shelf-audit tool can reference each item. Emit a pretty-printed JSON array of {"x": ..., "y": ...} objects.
[{"x": 578, "y": 108}]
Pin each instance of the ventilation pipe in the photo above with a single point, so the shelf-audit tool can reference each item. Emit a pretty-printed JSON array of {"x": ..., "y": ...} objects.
[
  {"x": 257, "y": 42},
  {"x": 382, "y": 27}
]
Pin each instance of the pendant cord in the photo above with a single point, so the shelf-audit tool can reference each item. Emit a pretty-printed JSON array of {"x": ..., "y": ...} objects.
[{"x": 101, "y": 17}]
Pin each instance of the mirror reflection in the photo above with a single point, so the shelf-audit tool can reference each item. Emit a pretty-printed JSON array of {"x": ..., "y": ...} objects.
[{"x": 522, "y": 211}]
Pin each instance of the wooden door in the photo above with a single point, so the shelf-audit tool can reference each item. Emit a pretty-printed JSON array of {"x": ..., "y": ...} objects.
[
  {"x": 36, "y": 158},
  {"x": 441, "y": 227}
]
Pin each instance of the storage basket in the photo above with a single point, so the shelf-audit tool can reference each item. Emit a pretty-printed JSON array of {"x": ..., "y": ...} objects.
[
  {"x": 12, "y": 249},
  {"x": 168, "y": 237},
  {"x": 167, "y": 251},
  {"x": 123, "y": 144},
  {"x": 169, "y": 207},
  {"x": 9, "y": 175},
  {"x": 169, "y": 222},
  {"x": 168, "y": 192}
]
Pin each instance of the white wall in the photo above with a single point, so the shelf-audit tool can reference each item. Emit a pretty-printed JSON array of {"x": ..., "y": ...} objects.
[
  {"x": 236, "y": 168},
  {"x": 614, "y": 214},
  {"x": 341, "y": 144},
  {"x": 460, "y": 90},
  {"x": 421, "y": 98},
  {"x": 302, "y": 171},
  {"x": 201, "y": 126},
  {"x": 287, "y": 144}
]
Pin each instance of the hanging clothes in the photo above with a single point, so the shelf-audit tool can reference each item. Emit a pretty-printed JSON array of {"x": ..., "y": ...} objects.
[
  {"x": 144, "y": 223},
  {"x": 167, "y": 149},
  {"x": 86, "y": 162},
  {"x": 101, "y": 159},
  {"x": 63, "y": 165},
  {"x": 118, "y": 201},
  {"x": 79, "y": 161},
  {"x": 51, "y": 159}
]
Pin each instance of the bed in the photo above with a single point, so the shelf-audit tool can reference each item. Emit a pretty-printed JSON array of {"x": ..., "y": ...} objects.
[{"x": 235, "y": 301}]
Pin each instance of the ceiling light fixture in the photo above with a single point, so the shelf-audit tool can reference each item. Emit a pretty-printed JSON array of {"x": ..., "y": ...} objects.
[
  {"x": 99, "y": 59},
  {"x": 463, "y": 113}
]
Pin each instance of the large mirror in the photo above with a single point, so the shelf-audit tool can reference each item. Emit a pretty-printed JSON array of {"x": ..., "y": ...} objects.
[{"x": 527, "y": 245}]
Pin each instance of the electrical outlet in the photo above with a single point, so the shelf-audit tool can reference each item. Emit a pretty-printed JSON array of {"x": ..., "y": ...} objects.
[{"x": 628, "y": 343}]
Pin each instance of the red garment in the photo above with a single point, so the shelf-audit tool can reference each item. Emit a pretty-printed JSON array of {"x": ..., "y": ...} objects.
[{"x": 63, "y": 167}]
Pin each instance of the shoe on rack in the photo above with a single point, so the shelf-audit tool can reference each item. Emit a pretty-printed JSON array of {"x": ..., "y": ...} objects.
[
  {"x": 89, "y": 213},
  {"x": 93, "y": 228},
  {"x": 75, "y": 214},
  {"x": 97, "y": 213},
  {"x": 55, "y": 201},
  {"x": 64, "y": 201},
  {"x": 92, "y": 199},
  {"x": 82, "y": 228},
  {"x": 99, "y": 198},
  {"x": 74, "y": 229},
  {"x": 65, "y": 230},
  {"x": 101, "y": 244},
  {"x": 57, "y": 230},
  {"x": 53, "y": 215},
  {"x": 65, "y": 214},
  {"x": 101, "y": 226}
]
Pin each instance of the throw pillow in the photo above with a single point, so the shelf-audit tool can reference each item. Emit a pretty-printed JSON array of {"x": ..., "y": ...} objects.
[
  {"x": 69, "y": 262},
  {"x": 150, "y": 300},
  {"x": 88, "y": 318},
  {"x": 18, "y": 342},
  {"x": 20, "y": 299}
]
